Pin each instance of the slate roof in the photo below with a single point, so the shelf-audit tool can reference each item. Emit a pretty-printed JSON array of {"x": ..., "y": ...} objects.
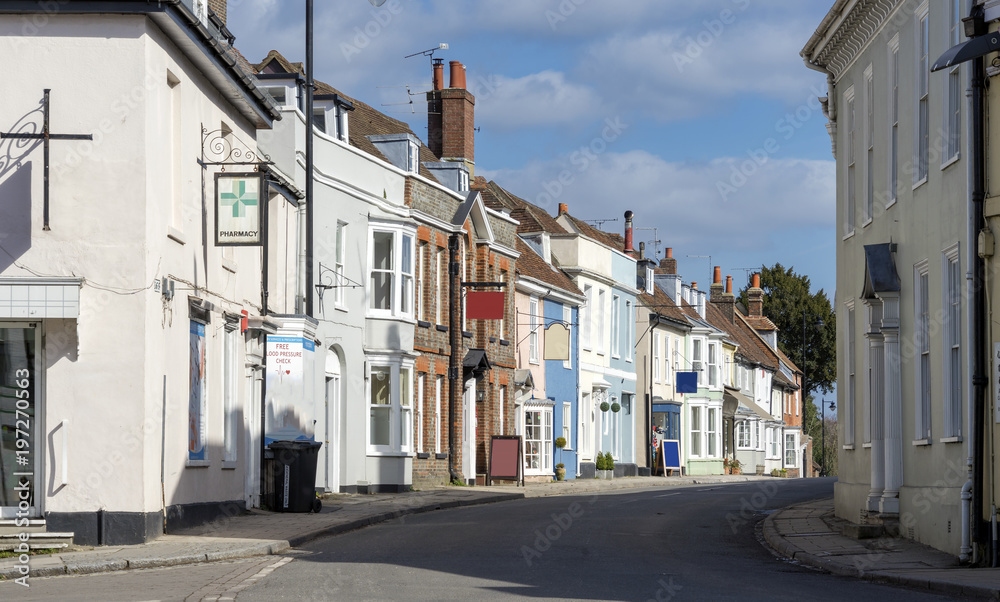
[
  {"x": 364, "y": 120},
  {"x": 531, "y": 217},
  {"x": 531, "y": 265}
]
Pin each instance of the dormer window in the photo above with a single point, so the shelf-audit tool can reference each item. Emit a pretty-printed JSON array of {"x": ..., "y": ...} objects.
[
  {"x": 278, "y": 93},
  {"x": 413, "y": 161},
  {"x": 463, "y": 181},
  {"x": 649, "y": 280},
  {"x": 319, "y": 120}
]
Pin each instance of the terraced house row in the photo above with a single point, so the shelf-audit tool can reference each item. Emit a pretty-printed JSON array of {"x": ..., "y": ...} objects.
[{"x": 178, "y": 290}]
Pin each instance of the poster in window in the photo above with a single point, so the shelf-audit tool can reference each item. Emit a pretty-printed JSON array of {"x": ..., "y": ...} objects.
[{"x": 238, "y": 209}]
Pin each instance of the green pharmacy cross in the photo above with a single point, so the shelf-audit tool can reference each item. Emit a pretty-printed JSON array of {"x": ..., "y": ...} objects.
[
  {"x": 45, "y": 136},
  {"x": 239, "y": 200}
]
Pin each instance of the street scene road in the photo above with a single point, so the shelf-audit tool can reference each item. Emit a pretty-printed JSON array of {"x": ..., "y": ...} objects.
[{"x": 693, "y": 543}]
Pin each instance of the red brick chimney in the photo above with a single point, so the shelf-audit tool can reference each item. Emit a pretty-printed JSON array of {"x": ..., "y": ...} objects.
[
  {"x": 219, "y": 8},
  {"x": 724, "y": 301},
  {"x": 755, "y": 298},
  {"x": 628, "y": 233},
  {"x": 563, "y": 208},
  {"x": 715, "y": 292},
  {"x": 451, "y": 117},
  {"x": 668, "y": 265}
]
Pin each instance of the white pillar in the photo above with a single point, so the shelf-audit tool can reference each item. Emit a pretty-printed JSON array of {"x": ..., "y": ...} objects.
[
  {"x": 876, "y": 403},
  {"x": 893, "y": 424}
]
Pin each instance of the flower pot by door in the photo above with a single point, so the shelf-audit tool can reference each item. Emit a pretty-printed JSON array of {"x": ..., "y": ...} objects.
[{"x": 560, "y": 474}]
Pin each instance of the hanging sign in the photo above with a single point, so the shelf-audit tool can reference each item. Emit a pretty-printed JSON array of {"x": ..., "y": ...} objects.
[
  {"x": 687, "y": 382},
  {"x": 556, "y": 342},
  {"x": 484, "y": 305},
  {"x": 238, "y": 209}
]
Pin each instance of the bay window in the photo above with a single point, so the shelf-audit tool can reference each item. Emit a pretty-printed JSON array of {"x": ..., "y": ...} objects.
[
  {"x": 390, "y": 285},
  {"x": 390, "y": 404}
]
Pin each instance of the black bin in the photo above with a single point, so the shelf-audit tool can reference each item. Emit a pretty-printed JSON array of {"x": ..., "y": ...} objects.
[{"x": 295, "y": 476}]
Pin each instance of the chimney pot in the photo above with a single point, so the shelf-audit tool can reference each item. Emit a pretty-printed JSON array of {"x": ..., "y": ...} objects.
[
  {"x": 628, "y": 232},
  {"x": 563, "y": 208},
  {"x": 694, "y": 285},
  {"x": 457, "y": 75},
  {"x": 438, "y": 74},
  {"x": 729, "y": 285},
  {"x": 717, "y": 277},
  {"x": 670, "y": 253},
  {"x": 756, "y": 281}
]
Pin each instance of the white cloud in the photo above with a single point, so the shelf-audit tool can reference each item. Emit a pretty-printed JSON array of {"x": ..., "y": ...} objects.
[
  {"x": 692, "y": 204},
  {"x": 540, "y": 99}
]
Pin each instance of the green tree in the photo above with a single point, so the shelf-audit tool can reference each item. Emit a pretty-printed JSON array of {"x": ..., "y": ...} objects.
[{"x": 790, "y": 304}]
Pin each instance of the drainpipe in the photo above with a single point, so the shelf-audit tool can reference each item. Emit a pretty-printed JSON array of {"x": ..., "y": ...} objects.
[
  {"x": 979, "y": 381},
  {"x": 310, "y": 85},
  {"x": 966, "y": 550}
]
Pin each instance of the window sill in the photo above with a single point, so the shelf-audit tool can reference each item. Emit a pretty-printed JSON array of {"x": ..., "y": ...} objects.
[
  {"x": 533, "y": 362},
  {"x": 951, "y": 439},
  {"x": 197, "y": 463},
  {"x": 440, "y": 456},
  {"x": 504, "y": 343},
  {"x": 423, "y": 456},
  {"x": 466, "y": 334},
  {"x": 848, "y": 235},
  {"x": 388, "y": 454},
  {"x": 950, "y": 162},
  {"x": 920, "y": 182},
  {"x": 849, "y": 447},
  {"x": 440, "y": 328},
  {"x": 891, "y": 203},
  {"x": 423, "y": 324},
  {"x": 867, "y": 222},
  {"x": 866, "y": 445},
  {"x": 176, "y": 235},
  {"x": 342, "y": 308},
  {"x": 229, "y": 465},
  {"x": 229, "y": 265},
  {"x": 921, "y": 442}
]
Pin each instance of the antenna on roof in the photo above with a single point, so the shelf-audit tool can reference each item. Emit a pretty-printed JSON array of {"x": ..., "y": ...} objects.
[
  {"x": 409, "y": 102},
  {"x": 598, "y": 223},
  {"x": 749, "y": 272},
  {"x": 656, "y": 241},
  {"x": 430, "y": 52}
]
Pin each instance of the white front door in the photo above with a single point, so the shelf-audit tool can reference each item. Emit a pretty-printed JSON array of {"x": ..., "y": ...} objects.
[
  {"x": 251, "y": 413},
  {"x": 21, "y": 447},
  {"x": 469, "y": 431}
]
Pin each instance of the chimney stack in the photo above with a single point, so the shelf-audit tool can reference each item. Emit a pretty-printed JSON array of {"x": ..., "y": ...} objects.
[
  {"x": 724, "y": 301},
  {"x": 628, "y": 233},
  {"x": 219, "y": 8},
  {"x": 755, "y": 298},
  {"x": 715, "y": 293},
  {"x": 668, "y": 265},
  {"x": 451, "y": 118},
  {"x": 642, "y": 250}
]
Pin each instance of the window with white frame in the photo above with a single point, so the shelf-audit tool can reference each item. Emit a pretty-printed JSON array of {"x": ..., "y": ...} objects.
[
  {"x": 231, "y": 391},
  {"x": 774, "y": 443},
  {"x": 953, "y": 93},
  {"x": 713, "y": 439},
  {"x": 922, "y": 133},
  {"x": 629, "y": 325},
  {"x": 599, "y": 309},
  {"x": 922, "y": 319},
  {"x": 697, "y": 431},
  {"x": 538, "y": 440},
  {"x": 696, "y": 361},
  {"x": 791, "y": 450},
  {"x": 743, "y": 434},
  {"x": 438, "y": 395},
  {"x": 850, "y": 206},
  {"x": 616, "y": 321},
  {"x": 440, "y": 270},
  {"x": 567, "y": 318},
  {"x": 656, "y": 357},
  {"x": 420, "y": 282},
  {"x": 419, "y": 415},
  {"x": 533, "y": 324},
  {"x": 666, "y": 358},
  {"x": 340, "y": 256},
  {"x": 503, "y": 316},
  {"x": 503, "y": 407},
  {"x": 413, "y": 157},
  {"x": 197, "y": 394},
  {"x": 893, "y": 170},
  {"x": 869, "y": 145},
  {"x": 567, "y": 423},
  {"x": 586, "y": 316},
  {"x": 953, "y": 343},
  {"x": 677, "y": 354},
  {"x": 390, "y": 407},
  {"x": 852, "y": 369},
  {"x": 391, "y": 272},
  {"x": 713, "y": 365}
]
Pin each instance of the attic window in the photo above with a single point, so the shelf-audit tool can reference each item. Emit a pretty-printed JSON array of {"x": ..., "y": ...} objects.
[
  {"x": 463, "y": 181},
  {"x": 413, "y": 160},
  {"x": 649, "y": 280},
  {"x": 319, "y": 120},
  {"x": 278, "y": 93}
]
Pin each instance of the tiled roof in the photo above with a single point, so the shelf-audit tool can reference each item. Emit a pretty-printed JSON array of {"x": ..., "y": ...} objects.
[
  {"x": 531, "y": 218},
  {"x": 760, "y": 323},
  {"x": 531, "y": 265},
  {"x": 661, "y": 303},
  {"x": 751, "y": 346},
  {"x": 615, "y": 241},
  {"x": 365, "y": 120}
]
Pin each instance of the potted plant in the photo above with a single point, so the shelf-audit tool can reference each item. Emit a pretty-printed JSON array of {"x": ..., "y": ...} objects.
[
  {"x": 560, "y": 472},
  {"x": 609, "y": 465},
  {"x": 560, "y": 444},
  {"x": 735, "y": 467}
]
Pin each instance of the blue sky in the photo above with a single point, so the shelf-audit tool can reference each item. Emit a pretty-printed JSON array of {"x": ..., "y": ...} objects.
[{"x": 698, "y": 116}]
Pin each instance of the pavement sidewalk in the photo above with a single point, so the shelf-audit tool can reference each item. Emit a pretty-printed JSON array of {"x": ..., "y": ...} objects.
[
  {"x": 810, "y": 533},
  {"x": 260, "y": 533}
]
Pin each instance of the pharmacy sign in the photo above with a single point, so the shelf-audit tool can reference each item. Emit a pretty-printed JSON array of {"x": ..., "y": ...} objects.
[{"x": 238, "y": 209}]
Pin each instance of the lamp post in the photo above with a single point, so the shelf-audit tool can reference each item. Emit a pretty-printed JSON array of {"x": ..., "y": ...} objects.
[{"x": 833, "y": 406}]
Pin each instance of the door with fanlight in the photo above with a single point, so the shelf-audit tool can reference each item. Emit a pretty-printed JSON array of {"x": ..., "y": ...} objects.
[{"x": 20, "y": 446}]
